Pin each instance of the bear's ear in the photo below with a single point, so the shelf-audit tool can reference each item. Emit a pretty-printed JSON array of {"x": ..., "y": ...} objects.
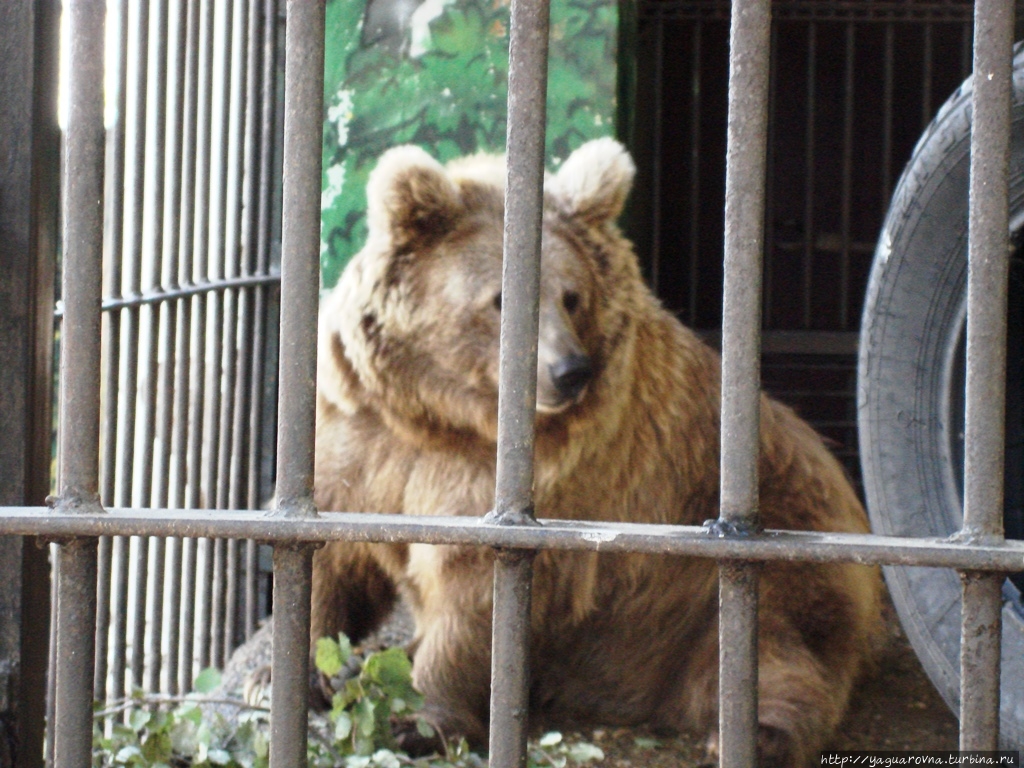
[
  {"x": 411, "y": 198},
  {"x": 595, "y": 180}
]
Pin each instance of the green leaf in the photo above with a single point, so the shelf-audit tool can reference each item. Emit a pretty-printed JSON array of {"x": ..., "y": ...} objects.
[
  {"x": 138, "y": 719},
  {"x": 425, "y": 729},
  {"x": 157, "y": 747},
  {"x": 332, "y": 655},
  {"x": 207, "y": 680},
  {"x": 390, "y": 667},
  {"x": 191, "y": 712},
  {"x": 645, "y": 742},
  {"x": 364, "y": 717},
  {"x": 343, "y": 726}
]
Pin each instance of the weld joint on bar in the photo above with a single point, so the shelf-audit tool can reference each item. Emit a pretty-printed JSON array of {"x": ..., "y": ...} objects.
[
  {"x": 524, "y": 516},
  {"x": 977, "y": 536},
  {"x": 77, "y": 503},
  {"x": 721, "y": 528},
  {"x": 301, "y": 507}
]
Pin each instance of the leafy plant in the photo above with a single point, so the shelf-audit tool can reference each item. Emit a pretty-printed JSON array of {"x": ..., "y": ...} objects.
[{"x": 372, "y": 692}]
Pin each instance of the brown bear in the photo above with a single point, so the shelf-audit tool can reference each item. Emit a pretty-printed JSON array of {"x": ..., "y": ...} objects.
[{"x": 627, "y": 430}]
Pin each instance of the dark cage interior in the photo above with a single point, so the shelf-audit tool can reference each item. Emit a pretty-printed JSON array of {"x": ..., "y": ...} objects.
[{"x": 853, "y": 85}]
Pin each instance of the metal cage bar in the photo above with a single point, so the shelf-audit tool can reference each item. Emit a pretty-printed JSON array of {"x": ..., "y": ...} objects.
[
  {"x": 988, "y": 266},
  {"x": 300, "y": 285},
  {"x": 517, "y": 391},
  {"x": 78, "y": 472},
  {"x": 746, "y": 165}
]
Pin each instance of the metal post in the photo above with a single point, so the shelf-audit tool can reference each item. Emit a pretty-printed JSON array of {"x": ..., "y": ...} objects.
[
  {"x": 988, "y": 263},
  {"x": 524, "y": 201},
  {"x": 749, "y": 52},
  {"x": 78, "y": 479},
  {"x": 300, "y": 285}
]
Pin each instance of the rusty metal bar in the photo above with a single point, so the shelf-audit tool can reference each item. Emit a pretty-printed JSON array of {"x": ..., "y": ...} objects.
[
  {"x": 887, "y": 113},
  {"x": 148, "y": 609},
  {"x": 984, "y": 431},
  {"x": 113, "y": 230},
  {"x": 263, "y": 218},
  {"x": 300, "y": 285},
  {"x": 182, "y": 586},
  {"x": 737, "y": 631},
  {"x": 658, "y": 76},
  {"x": 242, "y": 589},
  {"x": 746, "y": 159},
  {"x": 517, "y": 392},
  {"x": 979, "y": 660},
  {"x": 810, "y": 126},
  {"x": 846, "y": 193},
  {"x": 167, "y": 554},
  {"x": 696, "y": 108},
  {"x": 693, "y": 541},
  {"x": 78, "y": 441},
  {"x": 510, "y": 656}
]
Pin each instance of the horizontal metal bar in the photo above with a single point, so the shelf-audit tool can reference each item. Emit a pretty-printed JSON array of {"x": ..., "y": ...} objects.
[
  {"x": 552, "y": 534},
  {"x": 158, "y": 295}
]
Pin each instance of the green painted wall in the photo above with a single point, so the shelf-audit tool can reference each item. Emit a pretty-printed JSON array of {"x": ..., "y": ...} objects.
[{"x": 435, "y": 73}]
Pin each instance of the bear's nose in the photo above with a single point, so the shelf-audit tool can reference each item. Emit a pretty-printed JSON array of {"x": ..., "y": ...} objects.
[{"x": 570, "y": 374}]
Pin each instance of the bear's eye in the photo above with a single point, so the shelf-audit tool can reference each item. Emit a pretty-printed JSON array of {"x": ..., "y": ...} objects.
[
  {"x": 497, "y": 301},
  {"x": 570, "y": 300}
]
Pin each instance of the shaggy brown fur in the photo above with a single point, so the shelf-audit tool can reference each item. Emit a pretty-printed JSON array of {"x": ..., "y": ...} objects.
[{"x": 407, "y": 423}]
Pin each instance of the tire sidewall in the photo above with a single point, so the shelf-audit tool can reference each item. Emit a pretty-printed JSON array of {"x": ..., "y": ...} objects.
[{"x": 910, "y": 390}]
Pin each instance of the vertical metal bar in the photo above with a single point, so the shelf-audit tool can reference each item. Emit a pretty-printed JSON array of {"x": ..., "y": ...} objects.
[
  {"x": 149, "y": 591},
  {"x": 197, "y": 487},
  {"x": 135, "y": 146},
  {"x": 217, "y": 258},
  {"x": 233, "y": 368},
  {"x": 656, "y": 140},
  {"x": 809, "y": 139},
  {"x": 737, "y": 630},
  {"x": 78, "y": 479},
  {"x": 927, "y": 66},
  {"x": 981, "y": 635},
  {"x": 118, "y": 615},
  {"x": 51, "y": 655},
  {"x": 887, "y": 96},
  {"x": 769, "y": 214},
  {"x": 262, "y": 261},
  {"x": 696, "y": 96},
  {"x": 300, "y": 285},
  {"x": 988, "y": 264},
  {"x": 749, "y": 68},
  {"x": 214, "y": 633},
  {"x": 113, "y": 198},
  {"x": 171, "y": 335},
  {"x": 847, "y": 178},
  {"x": 179, "y": 631},
  {"x": 187, "y": 611},
  {"x": 524, "y": 210}
]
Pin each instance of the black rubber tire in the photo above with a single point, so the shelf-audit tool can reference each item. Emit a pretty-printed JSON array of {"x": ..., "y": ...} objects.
[{"x": 910, "y": 398}]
